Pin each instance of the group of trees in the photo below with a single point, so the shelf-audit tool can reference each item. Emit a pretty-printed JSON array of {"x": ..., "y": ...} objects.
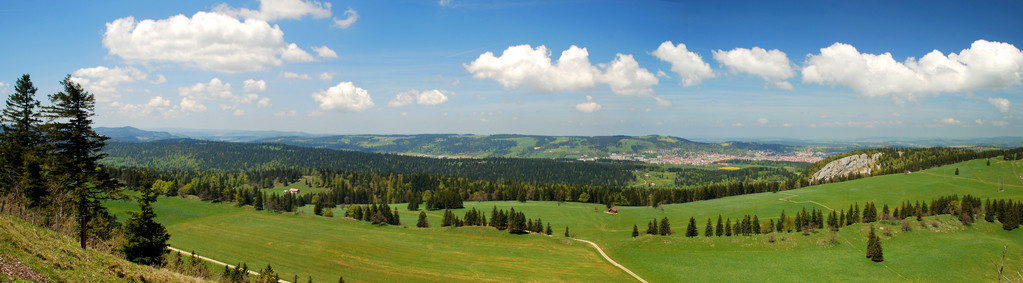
[
  {"x": 374, "y": 213},
  {"x": 694, "y": 177},
  {"x": 653, "y": 228},
  {"x": 1006, "y": 212},
  {"x": 50, "y": 171},
  {"x": 514, "y": 222}
]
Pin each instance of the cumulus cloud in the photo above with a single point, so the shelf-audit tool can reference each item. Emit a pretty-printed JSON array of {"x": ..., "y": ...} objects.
[
  {"x": 345, "y": 97},
  {"x": 290, "y": 75},
  {"x": 191, "y": 105},
  {"x": 4, "y": 86},
  {"x": 207, "y": 40},
  {"x": 444, "y": 3},
  {"x": 350, "y": 17},
  {"x": 156, "y": 105},
  {"x": 327, "y": 77},
  {"x": 762, "y": 121},
  {"x": 106, "y": 83},
  {"x": 589, "y": 106},
  {"x": 999, "y": 123},
  {"x": 985, "y": 65},
  {"x": 771, "y": 65},
  {"x": 217, "y": 90},
  {"x": 324, "y": 52},
  {"x": 626, "y": 77},
  {"x": 688, "y": 65},
  {"x": 523, "y": 65},
  {"x": 1002, "y": 104},
  {"x": 264, "y": 102},
  {"x": 295, "y": 54},
  {"x": 429, "y": 97},
  {"x": 271, "y": 10},
  {"x": 254, "y": 85}
]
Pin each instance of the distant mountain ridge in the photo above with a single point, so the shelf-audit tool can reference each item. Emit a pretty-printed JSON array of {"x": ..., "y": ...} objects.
[{"x": 131, "y": 134}]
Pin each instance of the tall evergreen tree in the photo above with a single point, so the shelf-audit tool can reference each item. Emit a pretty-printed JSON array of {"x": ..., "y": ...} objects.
[
  {"x": 78, "y": 149},
  {"x": 720, "y": 228},
  {"x": 756, "y": 224},
  {"x": 23, "y": 140},
  {"x": 566, "y": 232},
  {"x": 874, "y": 251},
  {"x": 728, "y": 227},
  {"x": 691, "y": 228},
  {"x": 651, "y": 227},
  {"x": 709, "y": 230},
  {"x": 665, "y": 227},
  {"x": 635, "y": 230},
  {"x": 549, "y": 231},
  {"x": 145, "y": 239}
]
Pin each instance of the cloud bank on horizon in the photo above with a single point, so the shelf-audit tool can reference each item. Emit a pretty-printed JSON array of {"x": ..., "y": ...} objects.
[{"x": 179, "y": 68}]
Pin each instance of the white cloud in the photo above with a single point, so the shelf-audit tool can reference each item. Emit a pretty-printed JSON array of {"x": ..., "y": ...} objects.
[
  {"x": 191, "y": 105},
  {"x": 327, "y": 77},
  {"x": 979, "y": 121},
  {"x": 762, "y": 121},
  {"x": 444, "y": 3},
  {"x": 239, "y": 112},
  {"x": 106, "y": 83},
  {"x": 985, "y": 65},
  {"x": 264, "y": 103},
  {"x": 254, "y": 85},
  {"x": 157, "y": 105},
  {"x": 662, "y": 74},
  {"x": 661, "y": 102},
  {"x": 999, "y": 123},
  {"x": 4, "y": 86},
  {"x": 859, "y": 124},
  {"x": 688, "y": 65},
  {"x": 589, "y": 106},
  {"x": 345, "y": 96},
  {"x": 523, "y": 65},
  {"x": 215, "y": 89},
  {"x": 626, "y": 77},
  {"x": 771, "y": 65},
  {"x": 290, "y": 75},
  {"x": 429, "y": 97},
  {"x": 295, "y": 54},
  {"x": 324, "y": 52},
  {"x": 950, "y": 121},
  {"x": 350, "y": 17},
  {"x": 207, "y": 40},
  {"x": 271, "y": 10},
  {"x": 1002, "y": 104}
]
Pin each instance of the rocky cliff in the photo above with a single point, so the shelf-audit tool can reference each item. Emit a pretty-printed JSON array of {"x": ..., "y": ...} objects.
[{"x": 854, "y": 164}]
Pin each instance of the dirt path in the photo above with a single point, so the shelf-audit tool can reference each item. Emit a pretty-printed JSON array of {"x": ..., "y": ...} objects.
[
  {"x": 611, "y": 260},
  {"x": 216, "y": 262},
  {"x": 805, "y": 201}
]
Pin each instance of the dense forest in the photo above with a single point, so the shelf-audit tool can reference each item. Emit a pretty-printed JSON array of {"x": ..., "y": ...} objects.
[
  {"x": 185, "y": 154},
  {"x": 690, "y": 177},
  {"x": 900, "y": 160}
]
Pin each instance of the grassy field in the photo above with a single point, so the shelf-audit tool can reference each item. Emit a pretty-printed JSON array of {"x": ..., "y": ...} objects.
[{"x": 937, "y": 249}]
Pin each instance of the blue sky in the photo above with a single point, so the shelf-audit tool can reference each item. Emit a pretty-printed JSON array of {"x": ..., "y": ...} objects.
[{"x": 813, "y": 69}]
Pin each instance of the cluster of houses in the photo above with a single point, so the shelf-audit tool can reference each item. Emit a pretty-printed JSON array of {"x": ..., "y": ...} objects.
[{"x": 292, "y": 191}]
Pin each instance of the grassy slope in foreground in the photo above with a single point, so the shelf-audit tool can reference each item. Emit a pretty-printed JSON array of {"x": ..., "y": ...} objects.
[
  {"x": 326, "y": 248},
  {"x": 59, "y": 258}
]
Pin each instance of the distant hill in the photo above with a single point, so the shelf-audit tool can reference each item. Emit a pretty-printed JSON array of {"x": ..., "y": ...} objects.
[
  {"x": 523, "y": 146},
  {"x": 131, "y": 134}
]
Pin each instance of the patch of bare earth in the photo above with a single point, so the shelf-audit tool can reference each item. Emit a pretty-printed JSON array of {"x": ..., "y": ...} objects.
[{"x": 16, "y": 270}]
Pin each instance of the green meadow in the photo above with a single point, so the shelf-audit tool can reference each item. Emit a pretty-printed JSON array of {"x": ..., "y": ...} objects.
[{"x": 935, "y": 249}]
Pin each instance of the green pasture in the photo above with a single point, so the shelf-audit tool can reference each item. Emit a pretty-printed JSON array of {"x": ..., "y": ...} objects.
[{"x": 936, "y": 249}]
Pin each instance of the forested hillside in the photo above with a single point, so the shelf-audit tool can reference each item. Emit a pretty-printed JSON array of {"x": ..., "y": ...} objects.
[
  {"x": 521, "y": 145},
  {"x": 186, "y": 154}
]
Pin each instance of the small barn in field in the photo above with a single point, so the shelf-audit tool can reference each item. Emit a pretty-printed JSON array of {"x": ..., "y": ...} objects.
[
  {"x": 613, "y": 210},
  {"x": 293, "y": 191}
]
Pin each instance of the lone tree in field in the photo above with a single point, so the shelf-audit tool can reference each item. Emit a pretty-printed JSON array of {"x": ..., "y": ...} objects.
[
  {"x": 874, "y": 251},
  {"x": 423, "y": 222},
  {"x": 78, "y": 149},
  {"x": 635, "y": 230},
  {"x": 145, "y": 240},
  {"x": 691, "y": 229},
  {"x": 566, "y": 232}
]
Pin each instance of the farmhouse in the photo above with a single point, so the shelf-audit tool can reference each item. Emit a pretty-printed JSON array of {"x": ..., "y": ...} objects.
[{"x": 292, "y": 191}]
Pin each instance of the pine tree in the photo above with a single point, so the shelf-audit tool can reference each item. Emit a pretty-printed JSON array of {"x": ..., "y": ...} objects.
[
  {"x": 78, "y": 150},
  {"x": 548, "y": 231},
  {"x": 635, "y": 230},
  {"x": 989, "y": 213},
  {"x": 720, "y": 229},
  {"x": 691, "y": 229},
  {"x": 566, "y": 232},
  {"x": 665, "y": 227},
  {"x": 258, "y": 203},
  {"x": 728, "y": 227},
  {"x": 145, "y": 239},
  {"x": 756, "y": 224},
  {"x": 651, "y": 227},
  {"x": 957, "y": 172},
  {"x": 874, "y": 251},
  {"x": 447, "y": 219},
  {"x": 23, "y": 141},
  {"x": 781, "y": 222},
  {"x": 709, "y": 230},
  {"x": 423, "y": 221}
]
